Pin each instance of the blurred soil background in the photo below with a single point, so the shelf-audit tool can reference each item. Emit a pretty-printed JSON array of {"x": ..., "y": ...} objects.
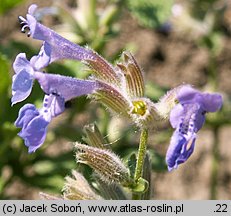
[{"x": 168, "y": 59}]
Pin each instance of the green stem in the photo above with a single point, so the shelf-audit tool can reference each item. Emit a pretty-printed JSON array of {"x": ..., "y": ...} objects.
[
  {"x": 140, "y": 159},
  {"x": 141, "y": 154}
]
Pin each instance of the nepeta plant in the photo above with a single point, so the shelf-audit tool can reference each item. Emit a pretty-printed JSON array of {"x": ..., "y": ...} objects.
[{"x": 120, "y": 88}]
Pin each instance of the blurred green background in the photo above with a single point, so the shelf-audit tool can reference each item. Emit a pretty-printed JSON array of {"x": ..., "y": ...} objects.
[{"x": 174, "y": 42}]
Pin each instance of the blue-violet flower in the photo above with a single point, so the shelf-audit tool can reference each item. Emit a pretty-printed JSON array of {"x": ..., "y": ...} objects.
[
  {"x": 34, "y": 122},
  {"x": 57, "y": 88},
  {"x": 187, "y": 117}
]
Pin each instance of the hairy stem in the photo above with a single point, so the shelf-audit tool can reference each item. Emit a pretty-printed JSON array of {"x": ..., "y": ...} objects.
[
  {"x": 141, "y": 154},
  {"x": 140, "y": 158}
]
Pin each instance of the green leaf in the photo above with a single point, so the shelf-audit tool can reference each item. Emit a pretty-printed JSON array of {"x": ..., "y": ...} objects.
[{"x": 150, "y": 13}]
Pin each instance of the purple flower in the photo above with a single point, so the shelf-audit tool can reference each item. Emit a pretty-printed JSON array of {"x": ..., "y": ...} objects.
[
  {"x": 65, "y": 86},
  {"x": 188, "y": 116},
  {"x": 57, "y": 88},
  {"x": 24, "y": 73},
  {"x": 60, "y": 47},
  {"x": 34, "y": 122},
  {"x": 55, "y": 47}
]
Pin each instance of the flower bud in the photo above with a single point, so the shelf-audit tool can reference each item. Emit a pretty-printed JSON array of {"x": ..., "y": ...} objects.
[
  {"x": 77, "y": 188},
  {"x": 94, "y": 137},
  {"x": 105, "y": 163}
]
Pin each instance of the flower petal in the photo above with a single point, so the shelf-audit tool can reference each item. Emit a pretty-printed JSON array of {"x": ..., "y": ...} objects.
[
  {"x": 54, "y": 104},
  {"x": 209, "y": 102},
  {"x": 26, "y": 114},
  {"x": 180, "y": 149},
  {"x": 21, "y": 63},
  {"x": 32, "y": 9},
  {"x": 187, "y": 94},
  {"x": 187, "y": 119},
  {"x": 176, "y": 115},
  {"x": 43, "y": 58},
  {"x": 61, "y": 48},
  {"x": 34, "y": 122},
  {"x": 33, "y": 126},
  {"x": 21, "y": 86},
  {"x": 199, "y": 119},
  {"x": 35, "y": 133},
  {"x": 212, "y": 102}
]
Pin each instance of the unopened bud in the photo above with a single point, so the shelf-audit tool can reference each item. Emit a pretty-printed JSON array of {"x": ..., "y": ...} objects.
[
  {"x": 105, "y": 163},
  {"x": 94, "y": 137},
  {"x": 77, "y": 188}
]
